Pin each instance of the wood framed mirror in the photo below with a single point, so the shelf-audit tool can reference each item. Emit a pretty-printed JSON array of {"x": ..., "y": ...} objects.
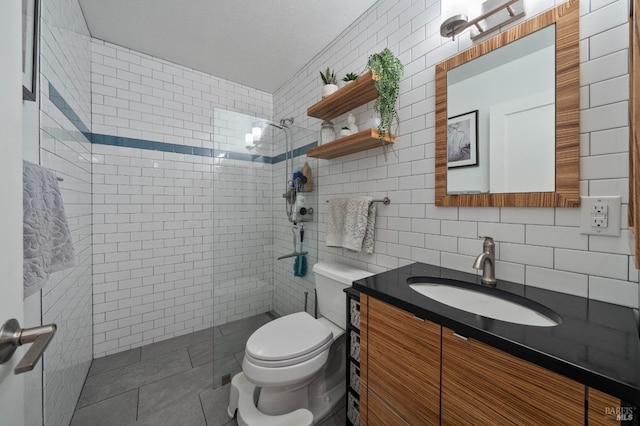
[
  {"x": 564, "y": 140},
  {"x": 634, "y": 120}
]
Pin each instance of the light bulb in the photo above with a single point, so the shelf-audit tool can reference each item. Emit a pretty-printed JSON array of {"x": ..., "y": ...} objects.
[{"x": 256, "y": 132}]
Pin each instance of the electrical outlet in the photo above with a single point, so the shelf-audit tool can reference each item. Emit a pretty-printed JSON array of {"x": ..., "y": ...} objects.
[
  {"x": 599, "y": 221},
  {"x": 600, "y": 209},
  {"x": 600, "y": 216}
]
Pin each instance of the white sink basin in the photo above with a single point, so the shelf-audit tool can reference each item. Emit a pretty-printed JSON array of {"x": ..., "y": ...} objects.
[{"x": 483, "y": 302}]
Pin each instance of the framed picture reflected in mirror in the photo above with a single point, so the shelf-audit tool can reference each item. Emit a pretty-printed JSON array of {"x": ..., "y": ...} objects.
[
  {"x": 30, "y": 10},
  {"x": 462, "y": 140}
]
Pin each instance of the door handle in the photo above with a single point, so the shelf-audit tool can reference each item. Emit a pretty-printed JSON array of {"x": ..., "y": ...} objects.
[{"x": 12, "y": 336}]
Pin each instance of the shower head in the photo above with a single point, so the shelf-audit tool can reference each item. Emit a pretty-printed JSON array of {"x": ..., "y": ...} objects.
[
  {"x": 274, "y": 125},
  {"x": 286, "y": 122}
]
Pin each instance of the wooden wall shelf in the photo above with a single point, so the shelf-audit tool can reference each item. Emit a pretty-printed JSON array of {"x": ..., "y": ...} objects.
[
  {"x": 345, "y": 99},
  {"x": 361, "y": 141}
]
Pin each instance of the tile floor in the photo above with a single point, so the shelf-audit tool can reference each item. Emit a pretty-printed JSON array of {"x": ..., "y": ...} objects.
[{"x": 175, "y": 382}]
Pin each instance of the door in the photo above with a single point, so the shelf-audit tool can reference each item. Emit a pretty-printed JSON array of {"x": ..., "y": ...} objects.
[
  {"x": 521, "y": 158},
  {"x": 11, "y": 385}
]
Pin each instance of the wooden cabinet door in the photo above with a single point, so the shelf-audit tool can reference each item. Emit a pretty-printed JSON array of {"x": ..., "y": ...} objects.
[
  {"x": 604, "y": 409},
  {"x": 400, "y": 364},
  {"x": 484, "y": 385}
]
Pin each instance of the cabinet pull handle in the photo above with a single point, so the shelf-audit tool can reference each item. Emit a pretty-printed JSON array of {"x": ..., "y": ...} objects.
[
  {"x": 418, "y": 318},
  {"x": 460, "y": 336}
]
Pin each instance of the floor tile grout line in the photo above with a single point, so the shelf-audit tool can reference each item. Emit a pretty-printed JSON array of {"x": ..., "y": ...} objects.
[
  {"x": 81, "y": 389},
  {"x": 115, "y": 368},
  {"x": 147, "y": 359},
  {"x": 202, "y": 408},
  {"x": 189, "y": 355},
  {"x": 137, "y": 404},
  {"x": 102, "y": 400},
  {"x": 138, "y": 388},
  {"x": 134, "y": 363}
]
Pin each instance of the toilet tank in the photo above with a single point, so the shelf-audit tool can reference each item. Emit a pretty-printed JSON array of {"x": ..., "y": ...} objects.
[{"x": 331, "y": 280}]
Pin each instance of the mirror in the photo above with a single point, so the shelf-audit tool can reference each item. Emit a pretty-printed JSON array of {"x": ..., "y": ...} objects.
[{"x": 507, "y": 117}]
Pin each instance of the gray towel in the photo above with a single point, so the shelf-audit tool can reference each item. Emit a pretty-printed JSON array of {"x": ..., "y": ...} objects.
[
  {"x": 47, "y": 241},
  {"x": 351, "y": 223}
]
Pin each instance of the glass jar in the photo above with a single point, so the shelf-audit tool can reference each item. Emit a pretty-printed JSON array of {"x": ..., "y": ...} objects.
[{"x": 327, "y": 134}]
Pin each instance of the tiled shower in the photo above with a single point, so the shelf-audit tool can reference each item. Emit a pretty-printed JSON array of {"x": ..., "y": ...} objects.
[{"x": 176, "y": 234}]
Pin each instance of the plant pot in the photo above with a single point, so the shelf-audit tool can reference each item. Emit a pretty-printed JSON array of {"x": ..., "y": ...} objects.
[
  {"x": 345, "y": 132},
  {"x": 329, "y": 89}
]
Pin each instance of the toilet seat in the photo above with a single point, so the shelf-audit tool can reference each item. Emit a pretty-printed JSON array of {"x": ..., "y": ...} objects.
[{"x": 288, "y": 340}]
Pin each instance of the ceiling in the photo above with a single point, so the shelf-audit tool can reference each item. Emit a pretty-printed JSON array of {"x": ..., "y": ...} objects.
[{"x": 257, "y": 43}]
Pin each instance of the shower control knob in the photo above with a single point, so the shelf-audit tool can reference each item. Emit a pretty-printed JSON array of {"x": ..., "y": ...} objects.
[{"x": 303, "y": 211}]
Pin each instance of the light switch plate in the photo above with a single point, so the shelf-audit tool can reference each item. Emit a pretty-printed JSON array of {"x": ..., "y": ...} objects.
[{"x": 600, "y": 216}]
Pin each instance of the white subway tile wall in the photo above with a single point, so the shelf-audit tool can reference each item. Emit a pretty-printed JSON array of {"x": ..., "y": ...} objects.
[
  {"x": 66, "y": 298},
  {"x": 166, "y": 224},
  {"x": 152, "y": 234},
  {"x": 139, "y": 96},
  {"x": 537, "y": 247}
]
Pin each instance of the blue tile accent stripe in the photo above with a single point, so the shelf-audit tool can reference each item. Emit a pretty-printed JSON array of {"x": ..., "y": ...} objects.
[
  {"x": 99, "y": 139},
  {"x": 57, "y": 99}
]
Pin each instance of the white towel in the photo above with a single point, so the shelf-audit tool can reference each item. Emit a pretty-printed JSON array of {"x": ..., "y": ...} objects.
[
  {"x": 351, "y": 223},
  {"x": 47, "y": 241}
]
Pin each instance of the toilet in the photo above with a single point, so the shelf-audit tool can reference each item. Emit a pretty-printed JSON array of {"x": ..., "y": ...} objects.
[{"x": 293, "y": 371}]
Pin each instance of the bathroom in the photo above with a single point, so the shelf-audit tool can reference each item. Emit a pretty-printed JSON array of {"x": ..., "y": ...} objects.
[{"x": 205, "y": 233}]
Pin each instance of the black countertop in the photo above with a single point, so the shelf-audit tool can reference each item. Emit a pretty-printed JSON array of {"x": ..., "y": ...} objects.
[{"x": 596, "y": 344}]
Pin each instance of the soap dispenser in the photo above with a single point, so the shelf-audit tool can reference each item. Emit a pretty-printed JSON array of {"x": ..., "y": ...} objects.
[{"x": 306, "y": 172}]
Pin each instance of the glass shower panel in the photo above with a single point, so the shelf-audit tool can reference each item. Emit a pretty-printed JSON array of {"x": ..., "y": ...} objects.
[{"x": 251, "y": 229}]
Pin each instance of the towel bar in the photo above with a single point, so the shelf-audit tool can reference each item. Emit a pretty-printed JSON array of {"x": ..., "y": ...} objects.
[
  {"x": 294, "y": 254},
  {"x": 386, "y": 201}
]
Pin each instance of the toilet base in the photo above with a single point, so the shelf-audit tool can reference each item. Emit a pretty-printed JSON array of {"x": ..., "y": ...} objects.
[{"x": 242, "y": 400}]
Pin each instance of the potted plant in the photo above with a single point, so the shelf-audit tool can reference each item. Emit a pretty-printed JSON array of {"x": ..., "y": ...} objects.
[
  {"x": 349, "y": 77},
  {"x": 345, "y": 131},
  {"x": 386, "y": 70},
  {"x": 330, "y": 82}
]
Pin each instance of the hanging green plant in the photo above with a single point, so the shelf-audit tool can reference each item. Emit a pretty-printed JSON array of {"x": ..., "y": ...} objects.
[{"x": 386, "y": 70}]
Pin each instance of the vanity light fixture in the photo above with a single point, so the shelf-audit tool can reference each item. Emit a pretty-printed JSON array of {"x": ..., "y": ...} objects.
[{"x": 490, "y": 15}]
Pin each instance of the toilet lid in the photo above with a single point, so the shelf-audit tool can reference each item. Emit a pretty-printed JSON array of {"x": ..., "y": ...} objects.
[{"x": 287, "y": 337}]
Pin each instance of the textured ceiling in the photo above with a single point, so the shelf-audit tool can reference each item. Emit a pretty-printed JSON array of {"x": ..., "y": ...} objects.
[{"x": 257, "y": 43}]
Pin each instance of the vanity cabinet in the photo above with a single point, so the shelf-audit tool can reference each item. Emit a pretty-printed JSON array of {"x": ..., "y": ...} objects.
[
  {"x": 351, "y": 96},
  {"x": 416, "y": 372},
  {"x": 484, "y": 385},
  {"x": 399, "y": 366}
]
